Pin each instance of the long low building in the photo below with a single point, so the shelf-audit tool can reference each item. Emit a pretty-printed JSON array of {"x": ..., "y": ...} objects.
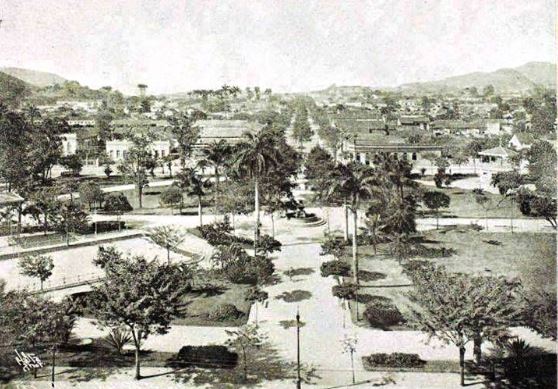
[
  {"x": 363, "y": 148},
  {"x": 231, "y": 131}
]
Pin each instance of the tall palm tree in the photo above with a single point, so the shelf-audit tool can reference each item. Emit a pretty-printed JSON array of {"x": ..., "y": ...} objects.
[
  {"x": 216, "y": 155},
  {"x": 193, "y": 184},
  {"x": 255, "y": 157}
]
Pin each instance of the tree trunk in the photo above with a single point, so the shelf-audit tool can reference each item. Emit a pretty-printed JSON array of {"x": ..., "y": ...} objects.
[
  {"x": 200, "y": 210},
  {"x": 245, "y": 364},
  {"x": 346, "y": 210},
  {"x": 437, "y": 219},
  {"x": 137, "y": 352},
  {"x": 140, "y": 194},
  {"x": 257, "y": 214},
  {"x": 41, "y": 284},
  {"x": 168, "y": 255},
  {"x": 272, "y": 226},
  {"x": 477, "y": 349},
  {"x": 462, "y": 364},
  {"x": 355, "y": 258}
]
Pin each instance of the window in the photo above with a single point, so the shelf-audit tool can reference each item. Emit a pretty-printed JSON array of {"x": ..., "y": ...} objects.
[
  {"x": 117, "y": 153},
  {"x": 414, "y": 156}
]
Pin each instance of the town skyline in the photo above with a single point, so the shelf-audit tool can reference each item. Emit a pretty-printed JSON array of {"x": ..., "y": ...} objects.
[{"x": 183, "y": 47}]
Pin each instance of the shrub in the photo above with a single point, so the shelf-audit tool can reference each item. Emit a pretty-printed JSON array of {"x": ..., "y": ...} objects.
[
  {"x": 394, "y": 360},
  {"x": 416, "y": 265},
  {"x": 219, "y": 234},
  {"x": 213, "y": 356},
  {"x": 294, "y": 296},
  {"x": 224, "y": 312},
  {"x": 368, "y": 276},
  {"x": 117, "y": 339},
  {"x": 249, "y": 270},
  {"x": 382, "y": 314},
  {"x": 336, "y": 268},
  {"x": 346, "y": 292},
  {"x": 267, "y": 245},
  {"x": 332, "y": 245}
]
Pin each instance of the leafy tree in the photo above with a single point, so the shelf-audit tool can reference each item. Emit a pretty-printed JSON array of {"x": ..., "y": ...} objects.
[
  {"x": 255, "y": 157},
  {"x": 38, "y": 266},
  {"x": 185, "y": 133},
  {"x": 14, "y": 133},
  {"x": 168, "y": 237},
  {"x": 546, "y": 207},
  {"x": 172, "y": 196},
  {"x": 72, "y": 162},
  {"x": 136, "y": 163},
  {"x": 458, "y": 308},
  {"x": 236, "y": 198},
  {"x": 141, "y": 296},
  {"x": 318, "y": 163},
  {"x": 245, "y": 340},
  {"x": 45, "y": 146},
  {"x": 90, "y": 193},
  {"x": 435, "y": 200},
  {"x": 69, "y": 217},
  {"x": 117, "y": 203},
  {"x": 542, "y": 166},
  {"x": 332, "y": 138},
  {"x": 540, "y": 312},
  {"x": 42, "y": 202}
]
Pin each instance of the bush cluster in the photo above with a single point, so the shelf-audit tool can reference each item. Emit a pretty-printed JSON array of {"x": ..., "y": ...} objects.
[
  {"x": 332, "y": 245},
  {"x": 249, "y": 270},
  {"x": 212, "y": 357},
  {"x": 335, "y": 268},
  {"x": 224, "y": 312},
  {"x": 382, "y": 314},
  {"x": 218, "y": 233},
  {"x": 394, "y": 360},
  {"x": 104, "y": 226}
]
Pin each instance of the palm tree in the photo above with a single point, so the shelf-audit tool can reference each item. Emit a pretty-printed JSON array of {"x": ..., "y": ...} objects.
[
  {"x": 194, "y": 185},
  {"x": 255, "y": 157},
  {"x": 216, "y": 155},
  {"x": 356, "y": 183}
]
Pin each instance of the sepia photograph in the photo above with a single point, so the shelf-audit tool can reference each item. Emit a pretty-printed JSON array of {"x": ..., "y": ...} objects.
[{"x": 275, "y": 194}]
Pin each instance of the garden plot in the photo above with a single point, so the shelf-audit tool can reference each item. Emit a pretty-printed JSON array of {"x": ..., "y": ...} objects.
[{"x": 78, "y": 262}]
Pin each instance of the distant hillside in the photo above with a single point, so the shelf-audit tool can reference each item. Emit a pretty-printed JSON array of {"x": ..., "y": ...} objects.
[
  {"x": 34, "y": 77},
  {"x": 12, "y": 90},
  {"x": 520, "y": 79}
]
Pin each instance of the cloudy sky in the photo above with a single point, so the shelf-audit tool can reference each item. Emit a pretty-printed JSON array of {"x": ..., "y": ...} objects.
[{"x": 287, "y": 45}]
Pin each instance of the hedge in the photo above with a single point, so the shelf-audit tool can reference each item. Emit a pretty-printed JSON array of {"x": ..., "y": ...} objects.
[
  {"x": 335, "y": 268},
  {"x": 213, "y": 357},
  {"x": 394, "y": 360},
  {"x": 382, "y": 314}
]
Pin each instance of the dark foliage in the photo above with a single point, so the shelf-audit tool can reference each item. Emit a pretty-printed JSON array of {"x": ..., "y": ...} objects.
[
  {"x": 224, "y": 312},
  {"x": 209, "y": 357},
  {"x": 382, "y": 314},
  {"x": 394, "y": 360},
  {"x": 335, "y": 268}
]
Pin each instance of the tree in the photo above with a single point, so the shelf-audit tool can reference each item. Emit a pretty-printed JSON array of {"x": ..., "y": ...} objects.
[
  {"x": 42, "y": 201},
  {"x": 349, "y": 347},
  {"x": 332, "y": 138},
  {"x": 546, "y": 207},
  {"x": 436, "y": 200},
  {"x": 168, "y": 237},
  {"x": 117, "y": 203},
  {"x": 72, "y": 162},
  {"x": 194, "y": 185},
  {"x": 45, "y": 146},
  {"x": 141, "y": 296},
  {"x": 458, "y": 308},
  {"x": 90, "y": 193},
  {"x": 318, "y": 163},
  {"x": 185, "y": 133},
  {"x": 216, "y": 155},
  {"x": 488, "y": 90},
  {"x": 69, "y": 217},
  {"x": 245, "y": 340},
  {"x": 38, "y": 266},
  {"x": 14, "y": 142},
  {"x": 172, "y": 196},
  {"x": 255, "y": 157},
  {"x": 136, "y": 163}
]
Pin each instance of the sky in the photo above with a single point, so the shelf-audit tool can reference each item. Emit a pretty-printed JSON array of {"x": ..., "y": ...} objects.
[{"x": 287, "y": 45}]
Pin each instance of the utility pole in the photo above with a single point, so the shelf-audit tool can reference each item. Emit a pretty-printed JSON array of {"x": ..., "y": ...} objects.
[
  {"x": 53, "y": 364},
  {"x": 298, "y": 380}
]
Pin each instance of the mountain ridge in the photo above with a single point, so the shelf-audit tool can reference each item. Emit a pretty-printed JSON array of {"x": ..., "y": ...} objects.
[{"x": 34, "y": 77}]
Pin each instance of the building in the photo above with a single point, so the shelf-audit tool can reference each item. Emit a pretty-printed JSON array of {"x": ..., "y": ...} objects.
[
  {"x": 117, "y": 150},
  {"x": 414, "y": 121},
  {"x": 81, "y": 122},
  {"x": 496, "y": 159},
  {"x": 521, "y": 141},
  {"x": 69, "y": 144},
  {"x": 231, "y": 131},
  {"x": 364, "y": 148}
]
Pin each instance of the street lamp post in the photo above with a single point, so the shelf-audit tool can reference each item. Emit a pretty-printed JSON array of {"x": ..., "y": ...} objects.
[{"x": 298, "y": 380}]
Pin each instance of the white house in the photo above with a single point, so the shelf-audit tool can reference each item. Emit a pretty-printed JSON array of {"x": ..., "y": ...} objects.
[
  {"x": 69, "y": 144},
  {"x": 521, "y": 141},
  {"x": 117, "y": 150}
]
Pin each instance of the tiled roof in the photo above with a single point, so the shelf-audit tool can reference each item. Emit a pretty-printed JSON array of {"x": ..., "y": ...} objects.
[
  {"x": 9, "y": 198},
  {"x": 498, "y": 152}
]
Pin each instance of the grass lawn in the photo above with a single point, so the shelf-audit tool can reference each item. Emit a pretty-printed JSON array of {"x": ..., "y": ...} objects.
[
  {"x": 200, "y": 303},
  {"x": 463, "y": 204},
  {"x": 529, "y": 256},
  {"x": 151, "y": 203}
]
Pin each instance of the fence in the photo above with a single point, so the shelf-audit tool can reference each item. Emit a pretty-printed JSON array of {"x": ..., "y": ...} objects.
[{"x": 63, "y": 283}]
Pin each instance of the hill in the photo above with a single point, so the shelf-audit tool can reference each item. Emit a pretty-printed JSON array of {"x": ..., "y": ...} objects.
[
  {"x": 12, "y": 90},
  {"x": 520, "y": 79},
  {"x": 34, "y": 77}
]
